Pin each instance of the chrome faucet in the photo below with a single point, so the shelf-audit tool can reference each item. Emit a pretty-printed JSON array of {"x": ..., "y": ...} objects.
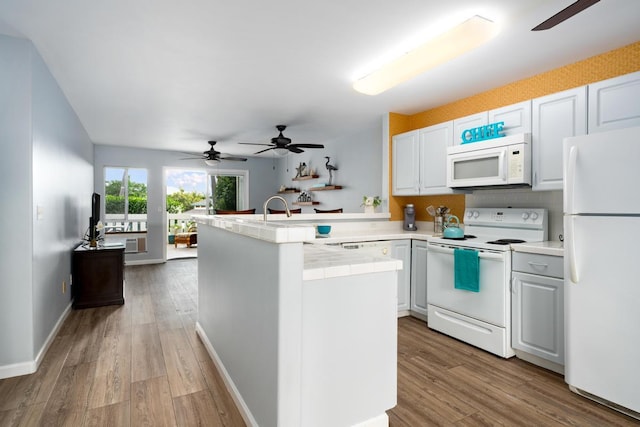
[{"x": 286, "y": 206}]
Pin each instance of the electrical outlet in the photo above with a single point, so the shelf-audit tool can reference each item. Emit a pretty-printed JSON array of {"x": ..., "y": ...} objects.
[{"x": 64, "y": 286}]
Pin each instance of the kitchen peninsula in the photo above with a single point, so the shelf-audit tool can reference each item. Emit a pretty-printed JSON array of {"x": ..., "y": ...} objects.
[{"x": 303, "y": 334}]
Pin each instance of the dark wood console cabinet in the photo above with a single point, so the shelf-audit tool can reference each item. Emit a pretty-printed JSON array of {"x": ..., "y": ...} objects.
[{"x": 98, "y": 277}]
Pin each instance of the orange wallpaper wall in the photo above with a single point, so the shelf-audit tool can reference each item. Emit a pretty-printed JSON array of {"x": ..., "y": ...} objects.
[{"x": 601, "y": 67}]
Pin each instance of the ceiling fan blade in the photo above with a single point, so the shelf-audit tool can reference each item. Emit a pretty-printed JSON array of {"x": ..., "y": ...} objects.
[
  {"x": 565, "y": 14},
  {"x": 266, "y": 149},
  {"x": 307, "y": 145},
  {"x": 294, "y": 149},
  {"x": 193, "y": 158},
  {"x": 234, "y": 159},
  {"x": 253, "y": 143}
]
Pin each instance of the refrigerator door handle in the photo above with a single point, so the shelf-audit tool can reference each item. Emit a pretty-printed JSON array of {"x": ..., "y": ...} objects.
[
  {"x": 570, "y": 179},
  {"x": 571, "y": 253}
]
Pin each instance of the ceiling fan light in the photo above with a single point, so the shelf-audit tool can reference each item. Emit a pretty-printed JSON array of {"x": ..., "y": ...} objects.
[
  {"x": 281, "y": 151},
  {"x": 467, "y": 36},
  {"x": 210, "y": 162}
]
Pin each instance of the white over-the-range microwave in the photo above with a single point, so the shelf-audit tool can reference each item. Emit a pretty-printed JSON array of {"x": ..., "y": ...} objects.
[{"x": 502, "y": 161}]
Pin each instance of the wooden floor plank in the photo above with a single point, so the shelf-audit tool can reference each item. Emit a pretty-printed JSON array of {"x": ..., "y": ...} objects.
[
  {"x": 146, "y": 358},
  {"x": 151, "y": 403},
  {"x": 115, "y": 415},
  {"x": 183, "y": 370},
  {"x": 25, "y": 416},
  {"x": 68, "y": 402},
  {"x": 112, "y": 380},
  {"x": 142, "y": 309},
  {"x": 196, "y": 409},
  {"x": 118, "y": 320}
]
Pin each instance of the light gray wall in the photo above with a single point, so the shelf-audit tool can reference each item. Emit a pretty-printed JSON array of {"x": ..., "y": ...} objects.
[
  {"x": 15, "y": 193},
  {"x": 358, "y": 158},
  {"x": 262, "y": 184},
  {"x": 46, "y": 163},
  {"x": 62, "y": 186}
]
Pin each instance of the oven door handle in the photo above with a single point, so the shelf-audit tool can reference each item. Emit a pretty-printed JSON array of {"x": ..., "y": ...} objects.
[{"x": 481, "y": 254}]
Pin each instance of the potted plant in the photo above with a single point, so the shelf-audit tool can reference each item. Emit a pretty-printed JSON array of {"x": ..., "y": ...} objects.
[{"x": 370, "y": 203}]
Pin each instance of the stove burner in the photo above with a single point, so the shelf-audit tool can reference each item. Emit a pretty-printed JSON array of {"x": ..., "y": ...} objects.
[
  {"x": 466, "y": 236},
  {"x": 505, "y": 241}
]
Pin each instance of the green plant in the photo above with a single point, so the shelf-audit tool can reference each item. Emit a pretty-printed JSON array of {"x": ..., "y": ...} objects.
[{"x": 374, "y": 201}]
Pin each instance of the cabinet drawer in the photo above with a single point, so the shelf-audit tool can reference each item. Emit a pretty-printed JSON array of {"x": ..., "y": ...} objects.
[{"x": 543, "y": 265}]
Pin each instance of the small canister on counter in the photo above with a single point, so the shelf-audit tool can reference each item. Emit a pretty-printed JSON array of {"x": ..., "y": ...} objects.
[
  {"x": 438, "y": 225},
  {"x": 409, "y": 218}
]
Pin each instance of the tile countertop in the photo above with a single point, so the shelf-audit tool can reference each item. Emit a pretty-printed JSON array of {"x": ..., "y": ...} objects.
[
  {"x": 553, "y": 247},
  {"x": 324, "y": 262},
  {"x": 273, "y": 231},
  {"x": 372, "y": 231},
  {"x": 291, "y": 232}
]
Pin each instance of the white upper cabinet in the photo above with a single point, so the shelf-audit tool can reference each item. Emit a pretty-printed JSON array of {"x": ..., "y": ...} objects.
[
  {"x": 468, "y": 122},
  {"x": 406, "y": 164},
  {"x": 555, "y": 117},
  {"x": 516, "y": 117},
  {"x": 434, "y": 141},
  {"x": 420, "y": 161},
  {"x": 614, "y": 103}
]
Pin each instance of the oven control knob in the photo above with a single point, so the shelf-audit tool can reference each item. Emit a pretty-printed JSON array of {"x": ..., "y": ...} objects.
[
  {"x": 476, "y": 214},
  {"x": 534, "y": 216},
  {"x": 525, "y": 215},
  {"x": 469, "y": 214}
]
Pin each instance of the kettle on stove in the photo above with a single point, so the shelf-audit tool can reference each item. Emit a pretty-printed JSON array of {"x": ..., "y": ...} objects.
[{"x": 453, "y": 231}]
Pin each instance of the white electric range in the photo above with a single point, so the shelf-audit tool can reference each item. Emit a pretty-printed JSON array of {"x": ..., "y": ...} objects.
[{"x": 482, "y": 318}]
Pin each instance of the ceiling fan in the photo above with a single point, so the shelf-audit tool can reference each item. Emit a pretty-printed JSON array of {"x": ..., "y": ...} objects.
[
  {"x": 282, "y": 145},
  {"x": 211, "y": 156},
  {"x": 564, "y": 14}
]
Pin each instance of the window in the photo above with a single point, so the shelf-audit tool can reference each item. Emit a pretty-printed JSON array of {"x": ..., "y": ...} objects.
[
  {"x": 228, "y": 191},
  {"x": 125, "y": 199}
]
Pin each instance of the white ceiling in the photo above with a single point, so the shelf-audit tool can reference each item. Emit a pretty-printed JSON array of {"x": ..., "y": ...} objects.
[{"x": 171, "y": 75}]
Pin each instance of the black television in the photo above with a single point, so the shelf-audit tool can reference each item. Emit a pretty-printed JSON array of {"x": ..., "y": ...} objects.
[{"x": 95, "y": 216}]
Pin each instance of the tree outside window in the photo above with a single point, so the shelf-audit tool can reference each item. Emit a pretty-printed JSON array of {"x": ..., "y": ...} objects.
[{"x": 125, "y": 199}]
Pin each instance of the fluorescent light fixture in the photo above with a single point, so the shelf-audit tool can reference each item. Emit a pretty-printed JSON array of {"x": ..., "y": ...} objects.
[{"x": 467, "y": 36}]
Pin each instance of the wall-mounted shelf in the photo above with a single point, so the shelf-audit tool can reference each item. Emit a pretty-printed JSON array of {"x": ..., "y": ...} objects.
[
  {"x": 304, "y": 178},
  {"x": 326, "y": 188},
  {"x": 288, "y": 191},
  {"x": 306, "y": 203}
]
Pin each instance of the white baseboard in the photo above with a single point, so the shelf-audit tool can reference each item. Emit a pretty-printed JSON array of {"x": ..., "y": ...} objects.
[
  {"x": 144, "y": 261},
  {"x": 25, "y": 368},
  {"x": 381, "y": 420},
  {"x": 231, "y": 387}
]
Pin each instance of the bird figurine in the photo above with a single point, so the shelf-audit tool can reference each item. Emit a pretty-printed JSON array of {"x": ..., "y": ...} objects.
[{"x": 330, "y": 168}]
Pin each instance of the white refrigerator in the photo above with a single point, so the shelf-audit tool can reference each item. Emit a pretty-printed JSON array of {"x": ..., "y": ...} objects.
[{"x": 602, "y": 267}]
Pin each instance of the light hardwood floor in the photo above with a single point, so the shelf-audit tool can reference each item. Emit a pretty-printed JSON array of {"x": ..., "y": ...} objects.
[{"x": 142, "y": 364}]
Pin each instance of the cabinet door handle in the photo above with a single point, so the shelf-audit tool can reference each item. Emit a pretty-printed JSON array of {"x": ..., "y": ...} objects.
[{"x": 538, "y": 264}]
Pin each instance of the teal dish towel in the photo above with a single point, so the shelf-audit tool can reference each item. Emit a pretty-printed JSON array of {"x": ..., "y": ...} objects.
[{"x": 466, "y": 266}]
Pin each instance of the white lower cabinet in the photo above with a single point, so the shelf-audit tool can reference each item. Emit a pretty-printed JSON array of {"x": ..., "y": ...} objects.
[
  {"x": 401, "y": 249},
  {"x": 419, "y": 279},
  {"x": 537, "y": 309}
]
